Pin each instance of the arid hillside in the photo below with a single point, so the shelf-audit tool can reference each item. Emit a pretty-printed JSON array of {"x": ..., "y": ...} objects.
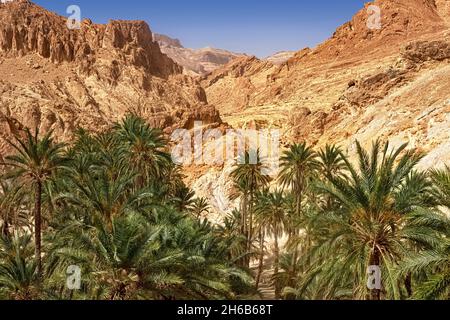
[
  {"x": 361, "y": 84},
  {"x": 55, "y": 78},
  {"x": 194, "y": 61},
  {"x": 280, "y": 57}
]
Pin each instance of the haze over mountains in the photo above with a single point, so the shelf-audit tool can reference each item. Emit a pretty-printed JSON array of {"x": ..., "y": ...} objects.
[
  {"x": 203, "y": 61},
  {"x": 194, "y": 61},
  {"x": 58, "y": 79},
  {"x": 360, "y": 84}
]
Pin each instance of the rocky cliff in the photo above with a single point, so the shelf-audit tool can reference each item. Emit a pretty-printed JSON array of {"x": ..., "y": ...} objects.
[
  {"x": 195, "y": 61},
  {"x": 280, "y": 57},
  {"x": 61, "y": 79},
  {"x": 361, "y": 84},
  {"x": 391, "y": 82}
]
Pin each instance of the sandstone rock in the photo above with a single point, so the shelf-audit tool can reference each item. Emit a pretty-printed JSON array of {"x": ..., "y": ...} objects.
[
  {"x": 422, "y": 51},
  {"x": 194, "y": 61},
  {"x": 361, "y": 84},
  {"x": 88, "y": 77},
  {"x": 280, "y": 57}
]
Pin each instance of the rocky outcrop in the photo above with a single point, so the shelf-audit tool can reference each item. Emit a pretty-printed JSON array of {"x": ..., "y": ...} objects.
[
  {"x": 25, "y": 28},
  {"x": 195, "y": 61},
  {"x": 363, "y": 83},
  {"x": 166, "y": 41},
  {"x": 443, "y": 7},
  {"x": 372, "y": 88},
  {"x": 400, "y": 21},
  {"x": 280, "y": 57},
  {"x": 422, "y": 51},
  {"x": 232, "y": 87},
  {"x": 55, "y": 78},
  {"x": 354, "y": 45}
]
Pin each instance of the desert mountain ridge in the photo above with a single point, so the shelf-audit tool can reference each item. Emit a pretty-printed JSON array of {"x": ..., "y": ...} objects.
[
  {"x": 361, "y": 84},
  {"x": 200, "y": 62},
  {"x": 391, "y": 83},
  {"x": 280, "y": 57},
  {"x": 58, "y": 79},
  {"x": 194, "y": 61}
]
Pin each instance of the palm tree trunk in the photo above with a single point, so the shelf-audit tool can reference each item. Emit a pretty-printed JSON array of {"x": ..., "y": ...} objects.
[
  {"x": 298, "y": 212},
  {"x": 298, "y": 189},
  {"x": 308, "y": 246},
  {"x": 294, "y": 267},
  {"x": 244, "y": 215},
  {"x": 250, "y": 213},
  {"x": 261, "y": 257},
  {"x": 37, "y": 227},
  {"x": 244, "y": 226},
  {"x": 5, "y": 228},
  {"x": 276, "y": 265},
  {"x": 375, "y": 294},
  {"x": 408, "y": 284}
]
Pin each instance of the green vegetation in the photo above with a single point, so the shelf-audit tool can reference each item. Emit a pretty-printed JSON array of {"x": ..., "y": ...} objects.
[
  {"x": 115, "y": 206},
  {"x": 339, "y": 218}
]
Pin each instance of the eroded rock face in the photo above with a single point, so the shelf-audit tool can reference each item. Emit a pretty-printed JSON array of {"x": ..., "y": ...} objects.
[
  {"x": 54, "y": 78},
  {"x": 352, "y": 46},
  {"x": 195, "y": 62},
  {"x": 361, "y": 84},
  {"x": 26, "y": 28},
  {"x": 280, "y": 57},
  {"x": 443, "y": 7},
  {"x": 232, "y": 87},
  {"x": 421, "y": 51}
]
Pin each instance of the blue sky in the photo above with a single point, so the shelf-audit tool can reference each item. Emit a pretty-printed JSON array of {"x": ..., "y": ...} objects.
[{"x": 258, "y": 27}]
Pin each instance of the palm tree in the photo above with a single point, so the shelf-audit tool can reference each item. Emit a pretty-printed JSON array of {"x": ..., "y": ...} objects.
[
  {"x": 298, "y": 166},
  {"x": 230, "y": 231},
  {"x": 110, "y": 258},
  {"x": 431, "y": 266},
  {"x": 199, "y": 207},
  {"x": 183, "y": 198},
  {"x": 169, "y": 258},
  {"x": 145, "y": 148},
  {"x": 270, "y": 211},
  {"x": 441, "y": 182},
  {"x": 36, "y": 160},
  {"x": 12, "y": 200},
  {"x": 331, "y": 162},
  {"x": 18, "y": 272},
  {"x": 248, "y": 179},
  {"x": 367, "y": 229}
]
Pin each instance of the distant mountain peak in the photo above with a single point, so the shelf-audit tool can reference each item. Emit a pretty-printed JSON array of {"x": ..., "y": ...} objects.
[
  {"x": 60, "y": 79},
  {"x": 194, "y": 61},
  {"x": 166, "y": 41}
]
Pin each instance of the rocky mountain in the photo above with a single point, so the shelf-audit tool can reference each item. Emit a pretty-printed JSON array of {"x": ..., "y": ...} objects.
[
  {"x": 356, "y": 70},
  {"x": 361, "y": 84},
  {"x": 194, "y": 61},
  {"x": 55, "y": 78},
  {"x": 280, "y": 57}
]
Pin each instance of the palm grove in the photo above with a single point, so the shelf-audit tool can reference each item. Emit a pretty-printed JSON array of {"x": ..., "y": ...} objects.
[{"x": 116, "y": 206}]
